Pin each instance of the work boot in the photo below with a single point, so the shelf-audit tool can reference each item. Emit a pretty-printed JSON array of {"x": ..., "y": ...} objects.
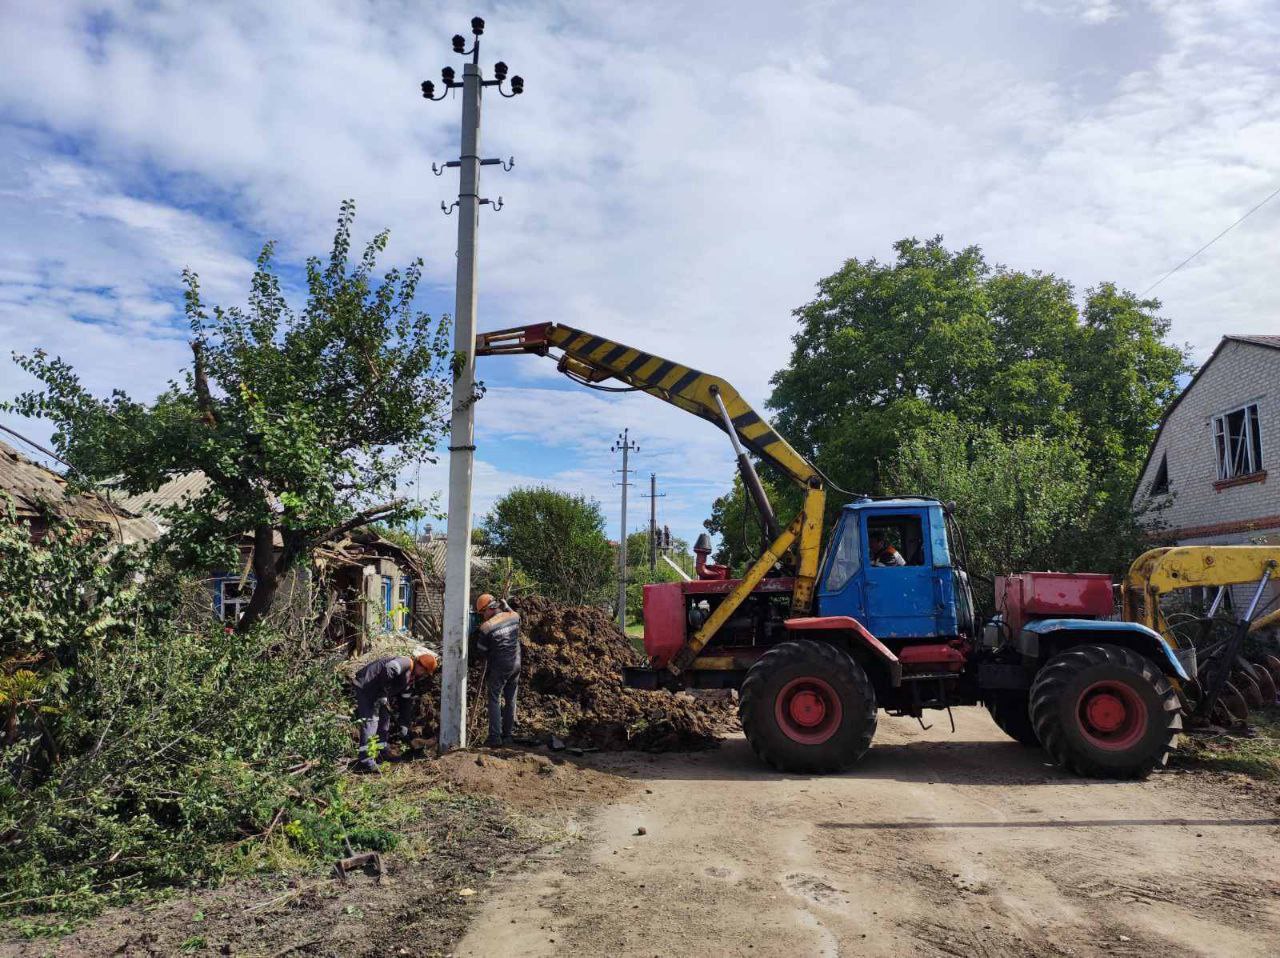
[
  {"x": 366, "y": 766},
  {"x": 509, "y": 741},
  {"x": 493, "y": 743}
]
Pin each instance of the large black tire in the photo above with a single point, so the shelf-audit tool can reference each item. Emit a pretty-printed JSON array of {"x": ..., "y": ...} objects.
[
  {"x": 808, "y": 707},
  {"x": 1011, "y": 711},
  {"x": 1105, "y": 712}
]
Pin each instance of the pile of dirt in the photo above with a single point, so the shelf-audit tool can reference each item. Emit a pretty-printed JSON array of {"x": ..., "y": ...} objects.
[
  {"x": 528, "y": 779},
  {"x": 571, "y": 687}
]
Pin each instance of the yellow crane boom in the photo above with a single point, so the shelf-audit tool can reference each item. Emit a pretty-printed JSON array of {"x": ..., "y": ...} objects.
[{"x": 590, "y": 359}]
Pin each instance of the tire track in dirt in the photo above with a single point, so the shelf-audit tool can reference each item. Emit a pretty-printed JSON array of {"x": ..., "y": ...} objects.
[{"x": 935, "y": 845}]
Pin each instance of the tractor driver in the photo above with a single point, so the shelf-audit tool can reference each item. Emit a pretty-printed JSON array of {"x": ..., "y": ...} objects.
[{"x": 882, "y": 553}]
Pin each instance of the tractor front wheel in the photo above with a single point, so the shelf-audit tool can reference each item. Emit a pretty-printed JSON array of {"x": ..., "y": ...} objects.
[
  {"x": 808, "y": 707},
  {"x": 1105, "y": 712}
]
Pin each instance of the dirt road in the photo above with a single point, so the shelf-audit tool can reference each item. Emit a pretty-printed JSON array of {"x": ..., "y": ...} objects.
[{"x": 937, "y": 844}]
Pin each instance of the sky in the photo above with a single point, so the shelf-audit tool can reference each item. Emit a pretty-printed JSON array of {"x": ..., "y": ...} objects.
[{"x": 684, "y": 174}]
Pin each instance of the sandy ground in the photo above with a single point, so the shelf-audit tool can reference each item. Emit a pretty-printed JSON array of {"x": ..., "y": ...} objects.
[{"x": 937, "y": 844}]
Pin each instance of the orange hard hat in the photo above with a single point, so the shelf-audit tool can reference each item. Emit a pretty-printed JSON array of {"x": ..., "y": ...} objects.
[
  {"x": 427, "y": 659},
  {"x": 484, "y": 602}
]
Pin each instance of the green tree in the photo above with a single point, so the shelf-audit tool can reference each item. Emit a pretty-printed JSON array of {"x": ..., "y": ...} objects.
[
  {"x": 736, "y": 521},
  {"x": 301, "y": 421},
  {"x": 1030, "y": 502},
  {"x": 638, "y": 549},
  {"x": 557, "y": 540},
  {"x": 140, "y": 748},
  {"x": 890, "y": 350}
]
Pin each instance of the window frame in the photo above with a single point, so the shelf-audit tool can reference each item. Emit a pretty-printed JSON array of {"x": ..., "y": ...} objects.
[
  {"x": 1159, "y": 488},
  {"x": 404, "y": 600},
  {"x": 388, "y": 594},
  {"x": 850, "y": 530},
  {"x": 893, "y": 521},
  {"x": 1251, "y": 435},
  {"x": 220, "y": 600}
]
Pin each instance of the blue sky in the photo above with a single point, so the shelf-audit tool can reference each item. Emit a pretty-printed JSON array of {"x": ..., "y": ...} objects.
[{"x": 684, "y": 174}]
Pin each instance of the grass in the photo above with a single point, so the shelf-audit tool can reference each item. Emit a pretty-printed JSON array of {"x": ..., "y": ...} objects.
[
  {"x": 635, "y": 632},
  {"x": 1257, "y": 757}
]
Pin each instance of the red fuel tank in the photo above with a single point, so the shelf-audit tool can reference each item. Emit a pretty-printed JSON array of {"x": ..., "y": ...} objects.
[
  {"x": 664, "y": 623},
  {"x": 1043, "y": 595}
]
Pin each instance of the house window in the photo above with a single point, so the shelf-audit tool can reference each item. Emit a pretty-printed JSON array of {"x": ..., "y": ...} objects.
[
  {"x": 406, "y": 602},
  {"x": 230, "y": 597},
  {"x": 1238, "y": 442},
  {"x": 388, "y": 602},
  {"x": 1160, "y": 484}
]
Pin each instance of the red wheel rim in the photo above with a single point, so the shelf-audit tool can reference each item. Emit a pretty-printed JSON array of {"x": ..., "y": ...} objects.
[
  {"x": 1111, "y": 715},
  {"x": 808, "y": 710}
]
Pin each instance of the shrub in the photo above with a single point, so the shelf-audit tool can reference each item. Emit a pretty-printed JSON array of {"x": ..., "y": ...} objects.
[{"x": 142, "y": 751}]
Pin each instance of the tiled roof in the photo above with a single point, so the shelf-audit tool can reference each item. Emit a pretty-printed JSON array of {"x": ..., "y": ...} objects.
[
  {"x": 36, "y": 490},
  {"x": 1272, "y": 341}
]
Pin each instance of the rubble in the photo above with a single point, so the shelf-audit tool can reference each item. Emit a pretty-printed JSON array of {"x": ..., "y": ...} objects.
[{"x": 571, "y": 687}]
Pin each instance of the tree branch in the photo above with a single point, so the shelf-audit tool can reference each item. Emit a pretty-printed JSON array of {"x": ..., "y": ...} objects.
[
  {"x": 204, "y": 399},
  {"x": 358, "y": 520}
]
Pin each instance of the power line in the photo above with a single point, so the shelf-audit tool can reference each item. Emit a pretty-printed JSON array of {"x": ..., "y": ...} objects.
[{"x": 1272, "y": 195}]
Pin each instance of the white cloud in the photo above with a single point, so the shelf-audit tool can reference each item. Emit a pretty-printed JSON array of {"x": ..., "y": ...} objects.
[{"x": 684, "y": 174}]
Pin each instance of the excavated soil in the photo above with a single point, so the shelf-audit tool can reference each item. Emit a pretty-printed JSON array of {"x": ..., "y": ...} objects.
[
  {"x": 571, "y": 688},
  {"x": 530, "y": 781}
]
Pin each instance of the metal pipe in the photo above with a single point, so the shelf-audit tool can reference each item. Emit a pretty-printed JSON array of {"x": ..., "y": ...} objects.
[
  {"x": 1217, "y": 601},
  {"x": 1257, "y": 594},
  {"x": 750, "y": 478}
]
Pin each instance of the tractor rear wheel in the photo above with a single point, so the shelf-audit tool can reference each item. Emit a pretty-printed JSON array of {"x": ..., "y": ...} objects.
[
  {"x": 1105, "y": 712},
  {"x": 808, "y": 707},
  {"x": 1011, "y": 711}
]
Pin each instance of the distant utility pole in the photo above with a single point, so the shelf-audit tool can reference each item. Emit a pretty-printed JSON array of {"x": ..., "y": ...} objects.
[
  {"x": 457, "y": 575},
  {"x": 654, "y": 543},
  {"x": 624, "y": 445}
]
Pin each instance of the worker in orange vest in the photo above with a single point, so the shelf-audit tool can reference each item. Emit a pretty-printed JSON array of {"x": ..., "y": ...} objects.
[{"x": 882, "y": 553}]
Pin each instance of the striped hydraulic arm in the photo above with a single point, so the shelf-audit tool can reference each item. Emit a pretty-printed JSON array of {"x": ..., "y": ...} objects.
[{"x": 592, "y": 359}]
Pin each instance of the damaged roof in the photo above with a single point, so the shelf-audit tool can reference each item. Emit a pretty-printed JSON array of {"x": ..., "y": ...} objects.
[{"x": 38, "y": 491}]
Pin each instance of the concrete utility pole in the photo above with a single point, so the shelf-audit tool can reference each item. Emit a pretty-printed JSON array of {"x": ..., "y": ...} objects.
[
  {"x": 457, "y": 575},
  {"x": 625, "y": 446},
  {"x": 654, "y": 535}
]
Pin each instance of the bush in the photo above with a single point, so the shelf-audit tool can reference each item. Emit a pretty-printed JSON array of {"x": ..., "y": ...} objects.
[
  {"x": 140, "y": 752},
  {"x": 557, "y": 540}
]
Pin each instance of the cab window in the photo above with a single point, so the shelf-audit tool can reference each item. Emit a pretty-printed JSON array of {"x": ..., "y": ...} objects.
[
  {"x": 847, "y": 559},
  {"x": 887, "y": 535}
]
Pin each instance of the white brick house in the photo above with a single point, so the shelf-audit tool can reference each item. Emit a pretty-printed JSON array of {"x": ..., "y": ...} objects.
[{"x": 1214, "y": 467}]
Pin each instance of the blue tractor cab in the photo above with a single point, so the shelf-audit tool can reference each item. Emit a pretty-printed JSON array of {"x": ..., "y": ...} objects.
[{"x": 889, "y": 566}]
